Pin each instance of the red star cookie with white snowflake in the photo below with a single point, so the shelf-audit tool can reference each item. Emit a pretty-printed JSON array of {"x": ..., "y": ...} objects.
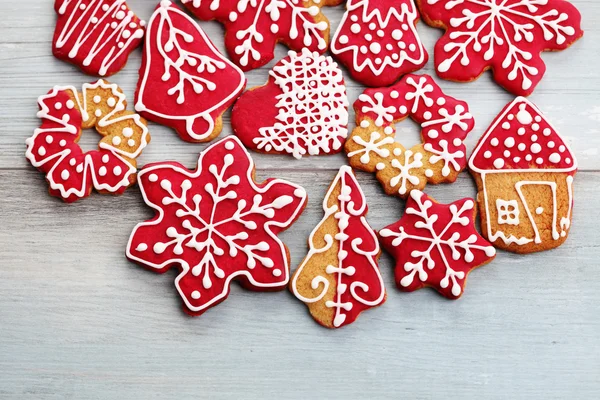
[
  {"x": 96, "y": 35},
  {"x": 216, "y": 225},
  {"x": 302, "y": 110},
  {"x": 254, "y": 27},
  {"x": 436, "y": 245},
  {"x": 185, "y": 83},
  {"x": 445, "y": 123},
  {"x": 53, "y": 149},
  {"x": 339, "y": 278},
  {"x": 507, "y": 36},
  {"x": 378, "y": 42}
]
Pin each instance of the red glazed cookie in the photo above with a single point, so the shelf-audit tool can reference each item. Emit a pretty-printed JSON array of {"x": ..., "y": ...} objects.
[
  {"x": 378, "y": 42},
  {"x": 53, "y": 149},
  {"x": 254, "y": 27},
  {"x": 303, "y": 108},
  {"x": 436, "y": 245},
  {"x": 339, "y": 278},
  {"x": 96, "y": 35},
  {"x": 445, "y": 123},
  {"x": 185, "y": 83},
  {"x": 215, "y": 224},
  {"x": 506, "y": 36},
  {"x": 524, "y": 173}
]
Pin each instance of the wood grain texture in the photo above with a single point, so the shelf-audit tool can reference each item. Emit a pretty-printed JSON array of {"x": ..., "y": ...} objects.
[{"x": 77, "y": 320}]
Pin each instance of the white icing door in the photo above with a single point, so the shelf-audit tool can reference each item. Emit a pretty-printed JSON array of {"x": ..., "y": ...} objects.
[{"x": 536, "y": 205}]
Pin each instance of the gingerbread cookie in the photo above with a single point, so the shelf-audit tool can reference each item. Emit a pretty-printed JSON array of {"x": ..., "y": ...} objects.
[
  {"x": 445, "y": 123},
  {"x": 378, "y": 41},
  {"x": 185, "y": 83},
  {"x": 254, "y": 27},
  {"x": 524, "y": 173},
  {"x": 436, "y": 245},
  {"x": 96, "y": 35},
  {"x": 303, "y": 108},
  {"x": 339, "y": 278},
  {"x": 506, "y": 36},
  {"x": 53, "y": 148},
  {"x": 216, "y": 225}
]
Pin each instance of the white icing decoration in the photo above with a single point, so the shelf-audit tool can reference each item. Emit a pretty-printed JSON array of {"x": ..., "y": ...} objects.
[{"x": 508, "y": 212}]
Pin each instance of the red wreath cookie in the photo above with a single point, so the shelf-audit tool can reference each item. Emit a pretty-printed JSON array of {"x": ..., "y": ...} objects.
[
  {"x": 53, "y": 148},
  {"x": 445, "y": 123},
  {"x": 524, "y": 173},
  {"x": 254, "y": 27},
  {"x": 215, "y": 224},
  {"x": 185, "y": 83},
  {"x": 339, "y": 278},
  {"x": 506, "y": 36},
  {"x": 378, "y": 42},
  {"x": 96, "y": 35},
  {"x": 303, "y": 108},
  {"x": 436, "y": 245}
]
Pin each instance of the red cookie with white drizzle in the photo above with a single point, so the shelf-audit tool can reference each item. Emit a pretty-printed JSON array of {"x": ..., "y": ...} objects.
[
  {"x": 524, "y": 173},
  {"x": 339, "y": 278},
  {"x": 506, "y": 36},
  {"x": 252, "y": 28},
  {"x": 302, "y": 110},
  {"x": 445, "y": 123},
  {"x": 185, "y": 83},
  {"x": 53, "y": 149},
  {"x": 96, "y": 35},
  {"x": 378, "y": 42},
  {"x": 216, "y": 225},
  {"x": 436, "y": 245}
]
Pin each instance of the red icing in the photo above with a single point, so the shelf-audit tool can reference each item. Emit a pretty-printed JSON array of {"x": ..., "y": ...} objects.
[
  {"x": 377, "y": 41},
  {"x": 521, "y": 30},
  {"x": 96, "y": 35},
  {"x": 244, "y": 217},
  {"x": 185, "y": 83}
]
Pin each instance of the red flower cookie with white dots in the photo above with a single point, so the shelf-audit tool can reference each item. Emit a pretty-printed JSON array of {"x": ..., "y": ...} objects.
[
  {"x": 378, "y": 42},
  {"x": 506, "y": 36},
  {"x": 53, "y": 149},
  {"x": 252, "y": 28},
  {"x": 436, "y": 245},
  {"x": 216, "y": 224},
  {"x": 524, "y": 173},
  {"x": 445, "y": 123},
  {"x": 96, "y": 35}
]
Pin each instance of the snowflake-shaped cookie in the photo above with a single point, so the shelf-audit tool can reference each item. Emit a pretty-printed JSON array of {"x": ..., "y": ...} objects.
[
  {"x": 216, "y": 224},
  {"x": 436, "y": 245},
  {"x": 504, "y": 35},
  {"x": 253, "y": 27},
  {"x": 303, "y": 108},
  {"x": 53, "y": 148},
  {"x": 445, "y": 123}
]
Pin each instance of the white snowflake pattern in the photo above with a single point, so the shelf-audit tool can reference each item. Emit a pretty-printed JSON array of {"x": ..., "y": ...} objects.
[{"x": 411, "y": 161}]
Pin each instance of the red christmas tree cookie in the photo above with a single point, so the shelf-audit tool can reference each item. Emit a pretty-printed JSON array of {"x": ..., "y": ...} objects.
[{"x": 215, "y": 224}]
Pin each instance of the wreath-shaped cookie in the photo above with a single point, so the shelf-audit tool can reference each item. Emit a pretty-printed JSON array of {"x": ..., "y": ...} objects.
[
  {"x": 445, "y": 123},
  {"x": 53, "y": 148}
]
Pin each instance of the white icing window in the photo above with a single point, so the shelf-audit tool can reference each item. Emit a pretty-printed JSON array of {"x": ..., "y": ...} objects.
[{"x": 508, "y": 212}]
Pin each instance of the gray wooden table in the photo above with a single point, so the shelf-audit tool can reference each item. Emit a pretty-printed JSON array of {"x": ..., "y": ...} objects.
[{"x": 77, "y": 320}]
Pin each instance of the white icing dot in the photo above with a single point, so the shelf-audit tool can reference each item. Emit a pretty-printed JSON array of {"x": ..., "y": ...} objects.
[
  {"x": 63, "y": 143},
  {"x": 506, "y": 125},
  {"x": 233, "y": 16},
  {"x": 498, "y": 163},
  {"x": 539, "y": 160},
  {"x": 457, "y": 142},
  {"x": 517, "y": 159},
  {"x": 509, "y": 142},
  {"x": 523, "y": 115},
  {"x": 368, "y": 37},
  {"x": 551, "y": 144},
  {"x": 355, "y": 28},
  {"x": 510, "y": 117},
  {"x": 568, "y": 160},
  {"x": 561, "y": 148},
  {"x": 388, "y": 130},
  {"x": 153, "y": 178},
  {"x": 441, "y": 101},
  {"x": 274, "y": 28},
  {"x": 396, "y": 34},
  {"x": 363, "y": 49},
  {"x": 522, "y": 146},
  {"x": 427, "y": 115},
  {"x": 403, "y": 110},
  {"x": 105, "y": 158},
  {"x": 58, "y": 106},
  {"x": 554, "y": 157},
  {"x": 117, "y": 170},
  {"x": 506, "y": 153},
  {"x": 299, "y": 192},
  {"x": 276, "y": 272},
  {"x": 539, "y": 210},
  {"x": 79, "y": 168},
  {"x": 131, "y": 142},
  {"x": 97, "y": 99},
  {"x": 72, "y": 162},
  {"x": 111, "y": 102},
  {"x": 487, "y": 154},
  {"x": 70, "y": 104},
  {"x": 494, "y": 142},
  {"x": 375, "y": 48},
  {"x": 428, "y": 173},
  {"x": 394, "y": 94},
  {"x": 354, "y": 18},
  {"x": 127, "y": 132},
  {"x": 364, "y": 123},
  {"x": 49, "y": 139},
  {"x": 98, "y": 113},
  {"x": 412, "y": 47},
  {"x": 534, "y": 138},
  {"x": 528, "y": 157},
  {"x": 380, "y": 166},
  {"x": 380, "y": 33},
  {"x": 64, "y": 174},
  {"x": 397, "y": 151},
  {"x": 116, "y": 141},
  {"x": 343, "y": 39},
  {"x": 229, "y": 145},
  {"x": 536, "y": 148},
  {"x": 546, "y": 131},
  {"x": 195, "y": 295},
  {"x": 372, "y": 26},
  {"x": 42, "y": 151},
  {"x": 433, "y": 134},
  {"x": 102, "y": 171},
  {"x": 535, "y": 127},
  {"x": 521, "y": 131}
]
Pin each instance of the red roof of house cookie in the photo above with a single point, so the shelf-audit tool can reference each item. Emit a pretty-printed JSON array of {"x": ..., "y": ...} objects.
[{"x": 521, "y": 138}]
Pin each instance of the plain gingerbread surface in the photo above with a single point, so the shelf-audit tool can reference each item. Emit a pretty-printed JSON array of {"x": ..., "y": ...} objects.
[{"x": 77, "y": 320}]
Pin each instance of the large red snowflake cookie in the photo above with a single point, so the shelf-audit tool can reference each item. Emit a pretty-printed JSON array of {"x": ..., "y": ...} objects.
[
  {"x": 436, "y": 245},
  {"x": 253, "y": 27},
  {"x": 53, "y": 148},
  {"x": 302, "y": 110},
  {"x": 378, "y": 42},
  {"x": 504, "y": 35},
  {"x": 339, "y": 278},
  {"x": 185, "y": 83},
  {"x": 96, "y": 35},
  {"x": 445, "y": 123},
  {"x": 215, "y": 224},
  {"x": 524, "y": 173}
]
